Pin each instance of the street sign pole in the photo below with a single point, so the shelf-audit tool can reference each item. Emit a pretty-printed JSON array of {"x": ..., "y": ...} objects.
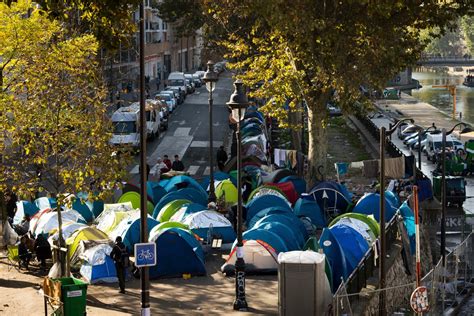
[{"x": 144, "y": 279}]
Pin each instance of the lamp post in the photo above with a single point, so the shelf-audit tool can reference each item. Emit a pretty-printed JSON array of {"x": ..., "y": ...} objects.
[
  {"x": 420, "y": 135},
  {"x": 210, "y": 78},
  {"x": 383, "y": 134},
  {"x": 238, "y": 103}
]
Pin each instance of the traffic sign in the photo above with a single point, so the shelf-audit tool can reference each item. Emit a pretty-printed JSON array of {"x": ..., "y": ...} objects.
[
  {"x": 419, "y": 300},
  {"x": 145, "y": 254}
]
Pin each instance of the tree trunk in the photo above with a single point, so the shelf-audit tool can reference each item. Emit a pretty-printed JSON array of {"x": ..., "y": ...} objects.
[
  {"x": 295, "y": 133},
  {"x": 317, "y": 143}
]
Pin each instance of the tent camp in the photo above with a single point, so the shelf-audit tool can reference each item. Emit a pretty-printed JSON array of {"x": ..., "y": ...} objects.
[
  {"x": 185, "y": 210},
  {"x": 97, "y": 266},
  {"x": 134, "y": 198},
  {"x": 49, "y": 221},
  {"x": 369, "y": 204},
  {"x": 129, "y": 230},
  {"x": 331, "y": 197},
  {"x": 288, "y": 190},
  {"x": 178, "y": 253},
  {"x": 352, "y": 243},
  {"x": 210, "y": 223},
  {"x": 335, "y": 254},
  {"x": 299, "y": 183},
  {"x": 168, "y": 210},
  {"x": 89, "y": 233},
  {"x": 269, "y": 211},
  {"x": 311, "y": 210},
  {"x": 259, "y": 203},
  {"x": 24, "y": 208}
]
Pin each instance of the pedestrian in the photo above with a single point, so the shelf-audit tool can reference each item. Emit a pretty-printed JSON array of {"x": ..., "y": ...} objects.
[
  {"x": 11, "y": 199},
  {"x": 177, "y": 164},
  {"x": 167, "y": 162},
  {"x": 221, "y": 158},
  {"x": 121, "y": 258},
  {"x": 43, "y": 250},
  {"x": 155, "y": 172},
  {"x": 23, "y": 253}
]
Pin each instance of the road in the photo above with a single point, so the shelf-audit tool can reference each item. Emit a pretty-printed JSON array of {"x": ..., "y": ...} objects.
[{"x": 188, "y": 131}]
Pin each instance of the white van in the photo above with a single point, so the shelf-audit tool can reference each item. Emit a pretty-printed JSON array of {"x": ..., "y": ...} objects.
[
  {"x": 177, "y": 79},
  {"x": 153, "y": 121},
  {"x": 126, "y": 122},
  {"x": 434, "y": 145}
]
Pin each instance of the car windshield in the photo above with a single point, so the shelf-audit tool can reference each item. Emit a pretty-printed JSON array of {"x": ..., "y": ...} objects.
[
  {"x": 437, "y": 145},
  {"x": 176, "y": 82},
  {"x": 165, "y": 97},
  {"x": 126, "y": 127}
]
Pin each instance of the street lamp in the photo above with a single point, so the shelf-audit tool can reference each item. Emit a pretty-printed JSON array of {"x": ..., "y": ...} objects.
[
  {"x": 210, "y": 78},
  {"x": 420, "y": 135},
  {"x": 238, "y": 103},
  {"x": 383, "y": 134}
]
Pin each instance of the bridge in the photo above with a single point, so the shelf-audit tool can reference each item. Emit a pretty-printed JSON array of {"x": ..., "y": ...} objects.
[{"x": 449, "y": 61}]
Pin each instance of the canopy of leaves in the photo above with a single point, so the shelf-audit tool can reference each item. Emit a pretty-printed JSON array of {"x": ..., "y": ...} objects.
[
  {"x": 56, "y": 132},
  {"x": 186, "y": 15}
]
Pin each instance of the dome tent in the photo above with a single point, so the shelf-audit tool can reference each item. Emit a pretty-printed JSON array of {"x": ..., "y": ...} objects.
[
  {"x": 297, "y": 228},
  {"x": 335, "y": 254},
  {"x": 330, "y": 196},
  {"x": 185, "y": 210},
  {"x": 49, "y": 221},
  {"x": 134, "y": 198},
  {"x": 226, "y": 190},
  {"x": 24, "y": 208},
  {"x": 352, "y": 243},
  {"x": 311, "y": 210},
  {"x": 168, "y": 210},
  {"x": 369, "y": 204},
  {"x": 45, "y": 202},
  {"x": 274, "y": 210},
  {"x": 368, "y": 219},
  {"x": 204, "y": 222},
  {"x": 89, "y": 233},
  {"x": 97, "y": 266},
  {"x": 259, "y": 203}
]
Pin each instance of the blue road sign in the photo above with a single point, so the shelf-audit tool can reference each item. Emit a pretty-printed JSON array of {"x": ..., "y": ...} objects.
[{"x": 145, "y": 254}]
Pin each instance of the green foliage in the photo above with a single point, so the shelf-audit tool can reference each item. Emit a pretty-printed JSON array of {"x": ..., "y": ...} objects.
[
  {"x": 186, "y": 15},
  {"x": 56, "y": 129},
  {"x": 467, "y": 26}
]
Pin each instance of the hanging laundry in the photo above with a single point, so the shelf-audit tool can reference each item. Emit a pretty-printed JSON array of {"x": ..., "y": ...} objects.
[
  {"x": 356, "y": 164},
  {"x": 371, "y": 168},
  {"x": 341, "y": 168},
  {"x": 409, "y": 166},
  {"x": 425, "y": 190},
  {"x": 395, "y": 167}
]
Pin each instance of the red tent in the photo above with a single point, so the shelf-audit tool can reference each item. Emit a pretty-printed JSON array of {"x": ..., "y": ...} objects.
[{"x": 288, "y": 189}]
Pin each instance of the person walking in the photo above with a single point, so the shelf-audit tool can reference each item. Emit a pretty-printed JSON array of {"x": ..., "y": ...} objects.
[
  {"x": 177, "y": 164},
  {"x": 121, "y": 258},
  {"x": 221, "y": 158}
]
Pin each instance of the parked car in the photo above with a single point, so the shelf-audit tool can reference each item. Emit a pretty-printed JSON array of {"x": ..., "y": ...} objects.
[
  {"x": 173, "y": 96},
  {"x": 410, "y": 130},
  {"x": 189, "y": 78},
  {"x": 178, "y": 94},
  {"x": 200, "y": 73},
  {"x": 168, "y": 99},
  {"x": 197, "y": 80},
  {"x": 189, "y": 87},
  {"x": 177, "y": 79}
]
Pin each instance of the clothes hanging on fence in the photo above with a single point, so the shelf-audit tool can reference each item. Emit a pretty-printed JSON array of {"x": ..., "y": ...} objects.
[
  {"x": 395, "y": 167},
  {"x": 356, "y": 164},
  {"x": 285, "y": 158},
  {"x": 409, "y": 166},
  {"x": 371, "y": 168},
  {"x": 425, "y": 190}
]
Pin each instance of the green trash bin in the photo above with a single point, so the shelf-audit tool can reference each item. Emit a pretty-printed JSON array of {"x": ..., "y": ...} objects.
[{"x": 73, "y": 296}]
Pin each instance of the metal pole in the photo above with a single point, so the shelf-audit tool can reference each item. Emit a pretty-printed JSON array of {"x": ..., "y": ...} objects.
[
  {"x": 240, "y": 302},
  {"x": 382, "y": 224},
  {"x": 417, "y": 236},
  {"x": 443, "y": 198},
  {"x": 212, "y": 194},
  {"x": 419, "y": 151},
  {"x": 144, "y": 279}
]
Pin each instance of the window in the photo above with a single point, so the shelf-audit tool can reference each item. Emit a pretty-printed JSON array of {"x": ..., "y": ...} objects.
[
  {"x": 126, "y": 127},
  {"x": 176, "y": 82}
]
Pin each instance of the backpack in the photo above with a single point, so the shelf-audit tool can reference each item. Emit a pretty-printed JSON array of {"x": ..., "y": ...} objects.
[{"x": 123, "y": 256}]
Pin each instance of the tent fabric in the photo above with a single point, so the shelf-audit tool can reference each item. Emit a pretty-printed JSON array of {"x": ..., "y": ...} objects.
[
  {"x": 218, "y": 176},
  {"x": 257, "y": 204},
  {"x": 287, "y": 233},
  {"x": 98, "y": 266},
  {"x": 155, "y": 191},
  {"x": 393, "y": 198},
  {"x": 299, "y": 183},
  {"x": 111, "y": 220},
  {"x": 96, "y": 206},
  {"x": 129, "y": 230},
  {"x": 178, "y": 253},
  {"x": 255, "y": 151},
  {"x": 338, "y": 197},
  {"x": 368, "y": 219},
  {"x": 259, "y": 257},
  {"x": 288, "y": 219},
  {"x": 409, "y": 222},
  {"x": 24, "y": 208},
  {"x": 277, "y": 175},
  {"x": 352, "y": 243},
  {"x": 288, "y": 190},
  {"x": 130, "y": 187},
  {"x": 226, "y": 190},
  {"x": 369, "y": 204},
  {"x": 185, "y": 210},
  {"x": 266, "y": 190},
  {"x": 49, "y": 221},
  {"x": 155, "y": 230},
  {"x": 358, "y": 225},
  {"x": 35, "y": 219},
  {"x": 89, "y": 233},
  {"x": 180, "y": 182},
  {"x": 335, "y": 254},
  {"x": 45, "y": 202},
  {"x": 268, "y": 236},
  {"x": 268, "y": 211},
  {"x": 165, "y": 213},
  {"x": 190, "y": 194},
  {"x": 311, "y": 210},
  {"x": 67, "y": 230},
  {"x": 84, "y": 208},
  {"x": 134, "y": 198},
  {"x": 210, "y": 222}
]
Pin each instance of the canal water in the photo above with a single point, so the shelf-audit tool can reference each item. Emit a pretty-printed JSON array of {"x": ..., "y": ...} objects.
[{"x": 440, "y": 97}]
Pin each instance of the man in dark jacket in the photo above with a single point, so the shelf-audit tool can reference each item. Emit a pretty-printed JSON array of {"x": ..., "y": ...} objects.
[
  {"x": 119, "y": 254},
  {"x": 177, "y": 164},
  {"x": 221, "y": 158},
  {"x": 42, "y": 250}
]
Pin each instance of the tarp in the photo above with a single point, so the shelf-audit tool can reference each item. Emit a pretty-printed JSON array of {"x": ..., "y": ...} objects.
[
  {"x": 257, "y": 204},
  {"x": 226, "y": 190},
  {"x": 24, "y": 208},
  {"x": 207, "y": 222},
  {"x": 330, "y": 196},
  {"x": 165, "y": 213},
  {"x": 311, "y": 210},
  {"x": 335, "y": 254},
  {"x": 98, "y": 266},
  {"x": 49, "y": 221},
  {"x": 134, "y": 198},
  {"x": 185, "y": 210},
  {"x": 352, "y": 243},
  {"x": 89, "y": 233},
  {"x": 368, "y": 219},
  {"x": 369, "y": 204},
  {"x": 178, "y": 253},
  {"x": 299, "y": 183},
  {"x": 288, "y": 190},
  {"x": 269, "y": 211}
]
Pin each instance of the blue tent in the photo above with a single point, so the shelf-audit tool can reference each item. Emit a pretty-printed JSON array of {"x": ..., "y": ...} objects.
[
  {"x": 218, "y": 176},
  {"x": 299, "y": 183},
  {"x": 84, "y": 208},
  {"x": 190, "y": 194},
  {"x": 353, "y": 244},
  {"x": 370, "y": 204},
  {"x": 155, "y": 191},
  {"x": 335, "y": 255},
  {"x": 269, "y": 211},
  {"x": 338, "y": 197},
  {"x": 409, "y": 221},
  {"x": 185, "y": 210},
  {"x": 131, "y": 233},
  {"x": 296, "y": 234},
  {"x": 267, "y": 236},
  {"x": 98, "y": 266},
  {"x": 393, "y": 198},
  {"x": 178, "y": 253},
  {"x": 45, "y": 202},
  {"x": 289, "y": 219},
  {"x": 207, "y": 222},
  {"x": 310, "y": 209},
  {"x": 286, "y": 233},
  {"x": 24, "y": 208},
  {"x": 179, "y": 182},
  {"x": 96, "y": 206},
  {"x": 259, "y": 203},
  {"x": 255, "y": 114}
]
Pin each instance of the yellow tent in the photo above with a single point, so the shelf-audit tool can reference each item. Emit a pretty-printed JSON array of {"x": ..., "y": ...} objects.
[
  {"x": 89, "y": 233},
  {"x": 226, "y": 191}
]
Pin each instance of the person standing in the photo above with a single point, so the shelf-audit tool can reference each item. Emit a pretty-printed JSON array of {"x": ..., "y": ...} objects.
[
  {"x": 42, "y": 250},
  {"x": 120, "y": 256},
  {"x": 221, "y": 158},
  {"x": 177, "y": 164}
]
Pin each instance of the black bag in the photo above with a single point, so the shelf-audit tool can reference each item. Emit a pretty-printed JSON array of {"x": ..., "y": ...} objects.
[{"x": 124, "y": 257}]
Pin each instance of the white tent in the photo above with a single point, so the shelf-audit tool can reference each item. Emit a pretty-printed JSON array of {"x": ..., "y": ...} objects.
[
  {"x": 258, "y": 256},
  {"x": 97, "y": 265},
  {"x": 211, "y": 223},
  {"x": 49, "y": 221}
]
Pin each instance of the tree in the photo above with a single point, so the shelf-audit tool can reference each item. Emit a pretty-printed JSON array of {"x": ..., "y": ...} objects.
[
  {"x": 324, "y": 50},
  {"x": 56, "y": 129}
]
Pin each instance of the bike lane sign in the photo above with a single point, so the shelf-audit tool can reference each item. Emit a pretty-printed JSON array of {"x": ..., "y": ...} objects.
[{"x": 145, "y": 254}]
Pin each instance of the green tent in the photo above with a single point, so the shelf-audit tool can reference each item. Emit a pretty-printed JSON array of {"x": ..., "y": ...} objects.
[
  {"x": 169, "y": 209},
  {"x": 134, "y": 198},
  {"x": 371, "y": 222},
  {"x": 168, "y": 225},
  {"x": 226, "y": 190}
]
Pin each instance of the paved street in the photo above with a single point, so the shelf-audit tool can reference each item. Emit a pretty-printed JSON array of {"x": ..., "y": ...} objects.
[{"x": 188, "y": 131}]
